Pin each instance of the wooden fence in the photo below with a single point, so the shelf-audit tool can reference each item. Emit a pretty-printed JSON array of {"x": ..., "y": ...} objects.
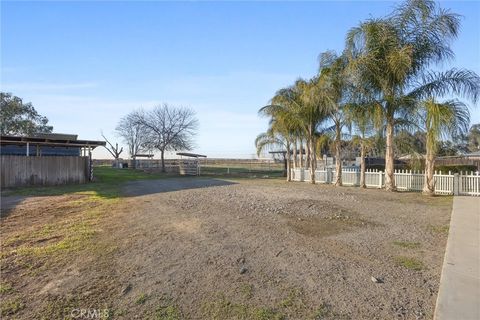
[
  {"x": 26, "y": 171},
  {"x": 405, "y": 180}
]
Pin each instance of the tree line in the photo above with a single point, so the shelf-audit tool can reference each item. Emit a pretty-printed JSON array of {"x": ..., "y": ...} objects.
[
  {"x": 163, "y": 128},
  {"x": 382, "y": 84}
]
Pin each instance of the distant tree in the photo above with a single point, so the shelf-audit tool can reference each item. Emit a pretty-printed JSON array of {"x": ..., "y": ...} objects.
[
  {"x": 18, "y": 118},
  {"x": 474, "y": 138},
  {"x": 448, "y": 148},
  {"x": 168, "y": 128},
  {"x": 407, "y": 143},
  {"x": 115, "y": 151},
  {"x": 133, "y": 133}
]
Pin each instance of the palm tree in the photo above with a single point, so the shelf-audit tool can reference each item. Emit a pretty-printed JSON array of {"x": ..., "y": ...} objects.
[
  {"x": 315, "y": 110},
  {"x": 273, "y": 139},
  {"x": 284, "y": 123},
  {"x": 333, "y": 80},
  {"x": 441, "y": 120},
  {"x": 391, "y": 57},
  {"x": 297, "y": 107},
  {"x": 362, "y": 118}
]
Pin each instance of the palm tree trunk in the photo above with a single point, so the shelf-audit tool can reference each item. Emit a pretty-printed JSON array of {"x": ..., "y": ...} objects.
[
  {"x": 429, "y": 185},
  {"x": 307, "y": 157},
  {"x": 301, "y": 153},
  {"x": 338, "y": 156},
  {"x": 389, "y": 158},
  {"x": 313, "y": 160},
  {"x": 294, "y": 154},
  {"x": 362, "y": 166},
  {"x": 289, "y": 174}
]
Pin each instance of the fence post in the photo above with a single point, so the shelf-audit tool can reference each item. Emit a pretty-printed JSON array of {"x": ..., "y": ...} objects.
[
  {"x": 456, "y": 184},
  {"x": 380, "y": 179},
  {"x": 329, "y": 175}
]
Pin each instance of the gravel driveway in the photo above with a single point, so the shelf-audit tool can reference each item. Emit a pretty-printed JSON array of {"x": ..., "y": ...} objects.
[
  {"x": 200, "y": 248},
  {"x": 298, "y": 250}
]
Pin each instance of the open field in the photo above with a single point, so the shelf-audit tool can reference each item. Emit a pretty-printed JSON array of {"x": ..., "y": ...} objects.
[
  {"x": 241, "y": 171},
  {"x": 217, "y": 248}
]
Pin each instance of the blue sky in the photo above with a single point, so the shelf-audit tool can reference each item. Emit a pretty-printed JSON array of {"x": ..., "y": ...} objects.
[{"x": 85, "y": 64}]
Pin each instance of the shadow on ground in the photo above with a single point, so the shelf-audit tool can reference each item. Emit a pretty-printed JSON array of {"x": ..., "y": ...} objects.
[
  {"x": 146, "y": 187},
  {"x": 7, "y": 203}
]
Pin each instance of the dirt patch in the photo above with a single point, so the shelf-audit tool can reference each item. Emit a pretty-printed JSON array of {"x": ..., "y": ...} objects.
[
  {"x": 325, "y": 226},
  {"x": 214, "y": 249}
]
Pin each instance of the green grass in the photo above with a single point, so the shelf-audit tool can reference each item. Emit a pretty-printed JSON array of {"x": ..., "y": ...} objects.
[
  {"x": 72, "y": 231},
  {"x": 407, "y": 244},
  {"x": 409, "y": 263},
  {"x": 247, "y": 291},
  {"x": 168, "y": 312},
  {"x": 322, "y": 311},
  {"x": 439, "y": 229},
  {"x": 9, "y": 307},
  {"x": 107, "y": 183},
  {"x": 224, "y": 309},
  {"x": 5, "y": 288},
  {"x": 266, "y": 314},
  {"x": 141, "y": 299},
  {"x": 74, "y": 235}
]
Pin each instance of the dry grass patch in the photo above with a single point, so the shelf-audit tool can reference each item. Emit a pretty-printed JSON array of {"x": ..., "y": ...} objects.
[
  {"x": 11, "y": 306},
  {"x": 409, "y": 263},
  {"x": 439, "y": 229},
  {"x": 407, "y": 244}
]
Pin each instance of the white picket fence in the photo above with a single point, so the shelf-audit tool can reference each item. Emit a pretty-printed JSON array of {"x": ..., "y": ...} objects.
[{"x": 405, "y": 180}]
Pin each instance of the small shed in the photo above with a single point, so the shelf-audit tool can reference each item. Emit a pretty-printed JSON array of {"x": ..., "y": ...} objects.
[
  {"x": 45, "y": 159},
  {"x": 190, "y": 166}
]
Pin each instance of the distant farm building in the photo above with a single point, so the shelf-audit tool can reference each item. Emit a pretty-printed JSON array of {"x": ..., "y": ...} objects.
[{"x": 45, "y": 159}]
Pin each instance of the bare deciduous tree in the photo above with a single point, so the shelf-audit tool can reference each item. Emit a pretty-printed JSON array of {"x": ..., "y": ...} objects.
[
  {"x": 168, "y": 128},
  {"x": 115, "y": 151},
  {"x": 133, "y": 133}
]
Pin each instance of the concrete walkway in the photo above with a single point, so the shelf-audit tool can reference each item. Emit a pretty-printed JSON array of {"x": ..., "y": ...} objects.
[{"x": 459, "y": 293}]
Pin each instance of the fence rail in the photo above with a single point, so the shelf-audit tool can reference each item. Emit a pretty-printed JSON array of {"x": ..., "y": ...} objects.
[{"x": 405, "y": 180}]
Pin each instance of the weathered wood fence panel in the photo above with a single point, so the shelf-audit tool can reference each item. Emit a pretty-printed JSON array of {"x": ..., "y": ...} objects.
[{"x": 26, "y": 171}]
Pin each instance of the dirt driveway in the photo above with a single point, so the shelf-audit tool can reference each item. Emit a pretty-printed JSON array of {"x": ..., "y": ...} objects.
[{"x": 253, "y": 249}]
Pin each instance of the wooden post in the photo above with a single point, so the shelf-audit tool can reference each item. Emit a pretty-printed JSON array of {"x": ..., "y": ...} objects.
[
  {"x": 456, "y": 184},
  {"x": 90, "y": 164},
  {"x": 329, "y": 175},
  {"x": 28, "y": 149}
]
